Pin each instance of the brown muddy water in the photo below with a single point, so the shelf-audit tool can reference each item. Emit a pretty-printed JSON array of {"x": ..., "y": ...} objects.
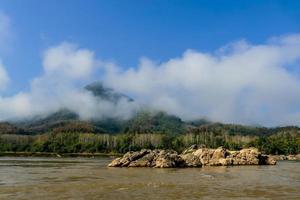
[{"x": 83, "y": 178}]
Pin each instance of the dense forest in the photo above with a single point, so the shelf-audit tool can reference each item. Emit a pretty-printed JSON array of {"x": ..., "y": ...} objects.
[{"x": 145, "y": 130}]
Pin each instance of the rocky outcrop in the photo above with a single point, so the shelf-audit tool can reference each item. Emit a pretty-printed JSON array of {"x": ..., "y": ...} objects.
[
  {"x": 293, "y": 157},
  {"x": 192, "y": 157},
  {"x": 284, "y": 157},
  {"x": 224, "y": 157},
  {"x": 149, "y": 158}
]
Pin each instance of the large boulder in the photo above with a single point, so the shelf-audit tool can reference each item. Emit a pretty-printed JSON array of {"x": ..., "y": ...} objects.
[
  {"x": 204, "y": 154},
  {"x": 267, "y": 160},
  {"x": 220, "y": 152},
  {"x": 191, "y": 160},
  {"x": 249, "y": 156},
  {"x": 220, "y": 157},
  {"x": 191, "y": 149},
  {"x": 115, "y": 163},
  {"x": 128, "y": 158},
  {"x": 145, "y": 161},
  {"x": 212, "y": 157},
  {"x": 167, "y": 159},
  {"x": 149, "y": 158}
]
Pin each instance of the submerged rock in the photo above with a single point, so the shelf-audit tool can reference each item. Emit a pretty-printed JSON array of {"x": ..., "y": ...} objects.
[{"x": 192, "y": 157}]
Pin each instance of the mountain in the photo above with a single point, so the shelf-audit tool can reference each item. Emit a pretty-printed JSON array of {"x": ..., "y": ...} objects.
[
  {"x": 155, "y": 122},
  {"x": 67, "y": 121},
  {"x": 8, "y": 128},
  {"x": 44, "y": 124},
  {"x": 105, "y": 93},
  {"x": 144, "y": 121}
]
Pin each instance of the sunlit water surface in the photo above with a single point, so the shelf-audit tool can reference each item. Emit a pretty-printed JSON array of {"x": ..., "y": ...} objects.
[{"x": 82, "y": 178}]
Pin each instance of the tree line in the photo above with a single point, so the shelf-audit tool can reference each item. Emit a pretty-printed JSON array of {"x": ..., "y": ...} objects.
[{"x": 284, "y": 141}]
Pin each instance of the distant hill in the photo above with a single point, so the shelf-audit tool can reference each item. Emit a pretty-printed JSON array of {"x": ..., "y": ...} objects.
[
  {"x": 8, "y": 128},
  {"x": 144, "y": 121},
  {"x": 44, "y": 124},
  {"x": 68, "y": 121},
  {"x": 155, "y": 122},
  {"x": 65, "y": 119}
]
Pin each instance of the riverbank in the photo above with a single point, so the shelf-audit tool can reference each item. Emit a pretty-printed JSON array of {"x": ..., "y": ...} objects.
[{"x": 48, "y": 154}]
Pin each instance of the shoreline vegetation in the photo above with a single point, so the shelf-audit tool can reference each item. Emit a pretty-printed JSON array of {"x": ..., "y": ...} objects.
[
  {"x": 285, "y": 142},
  {"x": 60, "y": 135}
]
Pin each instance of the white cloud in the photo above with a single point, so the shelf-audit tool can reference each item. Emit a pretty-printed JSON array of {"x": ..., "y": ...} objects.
[
  {"x": 240, "y": 83},
  {"x": 68, "y": 60},
  {"x": 4, "y": 78},
  {"x": 64, "y": 65}
]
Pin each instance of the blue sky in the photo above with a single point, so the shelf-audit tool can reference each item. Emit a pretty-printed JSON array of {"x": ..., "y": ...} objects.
[
  {"x": 228, "y": 60},
  {"x": 125, "y": 30}
]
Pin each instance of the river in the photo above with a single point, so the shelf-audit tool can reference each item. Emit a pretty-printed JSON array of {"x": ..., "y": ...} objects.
[{"x": 87, "y": 178}]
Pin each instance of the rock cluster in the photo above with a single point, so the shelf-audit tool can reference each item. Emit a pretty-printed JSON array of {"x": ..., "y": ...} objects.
[
  {"x": 149, "y": 158},
  {"x": 288, "y": 157},
  {"x": 192, "y": 157}
]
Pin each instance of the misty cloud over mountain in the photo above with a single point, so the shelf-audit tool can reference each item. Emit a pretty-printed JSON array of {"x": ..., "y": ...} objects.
[
  {"x": 238, "y": 83},
  {"x": 65, "y": 66}
]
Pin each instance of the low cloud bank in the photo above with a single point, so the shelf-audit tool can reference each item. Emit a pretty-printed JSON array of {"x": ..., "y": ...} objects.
[{"x": 238, "y": 83}]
